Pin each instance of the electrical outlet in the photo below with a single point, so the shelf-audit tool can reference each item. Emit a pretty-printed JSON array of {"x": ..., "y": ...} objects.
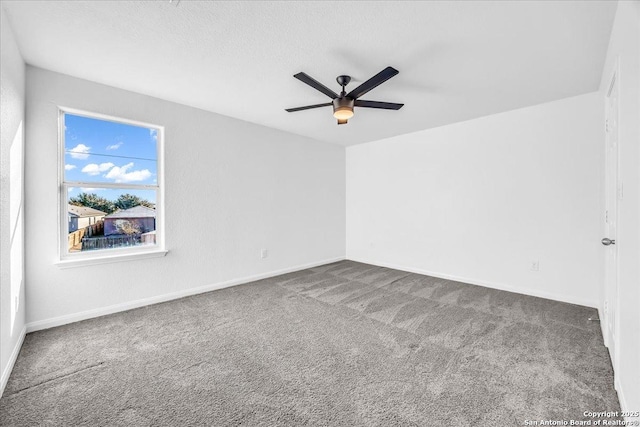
[
  {"x": 264, "y": 253},
  {"x": 535, "y": 265}
]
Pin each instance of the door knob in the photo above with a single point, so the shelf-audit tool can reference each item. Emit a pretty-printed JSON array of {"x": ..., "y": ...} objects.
[{"x": 608, "y": 242}]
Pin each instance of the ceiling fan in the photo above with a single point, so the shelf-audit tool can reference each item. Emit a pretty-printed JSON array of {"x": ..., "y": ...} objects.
[{"x": 344, "y": 103}]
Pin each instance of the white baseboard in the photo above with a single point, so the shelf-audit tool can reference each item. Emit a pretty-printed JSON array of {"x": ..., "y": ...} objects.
[
  {"x": 603, "y": 329},
  {"x": 12, "y": 360},
  {"x": 102, "y": 311},
  {"x": 617, "y": 386},
  {"x": 623, "y": 403},
  {"x": 486, "y": 284},
  {"x": 623, "y": 400}
]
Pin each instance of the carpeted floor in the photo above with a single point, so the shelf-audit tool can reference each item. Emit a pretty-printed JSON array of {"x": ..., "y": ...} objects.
[{"x": 345, "y": 344}]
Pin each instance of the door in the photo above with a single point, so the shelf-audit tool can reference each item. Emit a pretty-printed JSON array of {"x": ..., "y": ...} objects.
[{"x": 612, "y": 195}]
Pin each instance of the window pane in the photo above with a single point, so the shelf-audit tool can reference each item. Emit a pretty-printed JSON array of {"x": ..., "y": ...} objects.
[
  {"x": 106, "y": 218},
  {"x": 104, "y": 151}
]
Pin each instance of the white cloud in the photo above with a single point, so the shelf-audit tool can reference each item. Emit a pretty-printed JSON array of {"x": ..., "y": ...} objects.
[
  {"x": 121, "y": 174},
  {"x": 153, "y": 133},
  {"x": 95, "y": 169},
  {"x": 115, "y": 146},
  {"x": 69, "y": 167},
  {"x": 80, "y": 152}
]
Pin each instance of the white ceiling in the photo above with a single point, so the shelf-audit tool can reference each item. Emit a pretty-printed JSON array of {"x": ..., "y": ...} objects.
[{"x": 457, "y": 59}]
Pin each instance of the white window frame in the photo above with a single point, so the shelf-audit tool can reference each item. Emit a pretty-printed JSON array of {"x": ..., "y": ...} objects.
[{"x": 68, "y": 259}]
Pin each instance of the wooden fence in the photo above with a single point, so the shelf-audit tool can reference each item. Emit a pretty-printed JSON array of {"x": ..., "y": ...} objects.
[
  {"x": 92, "y": 237},
  {"x": 75, "y": 238}
]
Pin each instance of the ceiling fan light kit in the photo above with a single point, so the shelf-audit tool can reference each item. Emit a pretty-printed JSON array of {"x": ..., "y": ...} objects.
[{"x": 343, "y": 104}]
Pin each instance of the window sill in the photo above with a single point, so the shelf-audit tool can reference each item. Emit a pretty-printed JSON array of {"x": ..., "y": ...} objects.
[{"x": 107, "y": 259}]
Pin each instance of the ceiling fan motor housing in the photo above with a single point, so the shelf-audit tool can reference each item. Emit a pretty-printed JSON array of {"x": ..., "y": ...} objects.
[{"x": 343, "y": 105}]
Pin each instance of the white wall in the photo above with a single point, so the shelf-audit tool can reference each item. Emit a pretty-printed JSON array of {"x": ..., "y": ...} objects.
[
  {"x": 624, "y": 46},
  {"x": 12, "y": 293},
  {"x": 479, "y": 201},
  {"x": 232, "y": 188}
]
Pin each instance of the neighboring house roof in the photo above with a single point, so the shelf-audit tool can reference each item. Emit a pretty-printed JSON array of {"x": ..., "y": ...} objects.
[
  {"x": 135, "y": 212},
  {"x": 83, "y": 211}
]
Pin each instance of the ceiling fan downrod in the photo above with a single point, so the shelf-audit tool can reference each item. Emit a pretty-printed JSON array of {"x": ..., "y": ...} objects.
[{"x": 343, "y": 81}]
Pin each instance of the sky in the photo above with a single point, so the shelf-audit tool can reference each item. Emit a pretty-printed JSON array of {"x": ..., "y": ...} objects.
[{"x": 104, "y": 151}]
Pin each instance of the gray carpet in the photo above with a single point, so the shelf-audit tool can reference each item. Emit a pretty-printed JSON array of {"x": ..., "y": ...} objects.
[{"x": 343, "y": 344}]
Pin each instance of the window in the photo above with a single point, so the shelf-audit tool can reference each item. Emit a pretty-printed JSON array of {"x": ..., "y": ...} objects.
[{"x": 110, "y": 187}]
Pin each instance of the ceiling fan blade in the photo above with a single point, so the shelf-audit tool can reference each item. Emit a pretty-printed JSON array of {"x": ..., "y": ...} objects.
[
  {"x": 315, "y": 84},
  {"x": 377, "y": 104},
  {"x": 373, "y": 82},
  {"x": 308, "y": 107}
]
